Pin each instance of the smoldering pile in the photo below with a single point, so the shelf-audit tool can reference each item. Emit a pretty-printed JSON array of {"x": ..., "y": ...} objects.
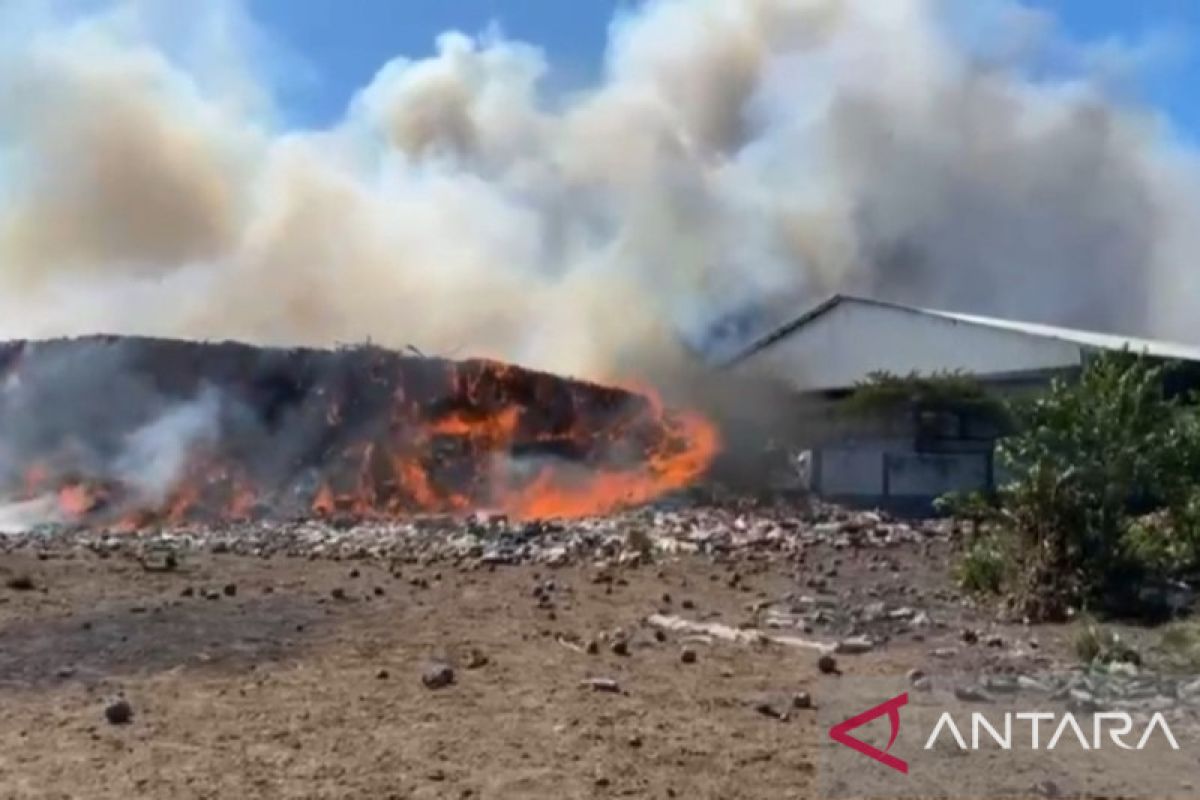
[{"x": 127, "y": 432}]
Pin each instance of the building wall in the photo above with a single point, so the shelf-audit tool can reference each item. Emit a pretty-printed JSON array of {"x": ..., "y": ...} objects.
[
  {"x": 842, "y": 346},
  {"x": 893, "y": 473}
]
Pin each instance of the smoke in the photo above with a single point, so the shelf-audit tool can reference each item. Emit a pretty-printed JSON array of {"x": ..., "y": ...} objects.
[
  {"x": 156, "y": 454},
  {"x": 734, "y": 154}
]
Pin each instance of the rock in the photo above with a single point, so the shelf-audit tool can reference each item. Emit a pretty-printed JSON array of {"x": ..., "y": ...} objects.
[
  {"x": 970, "y": 636},
  {"x": 995, "y": 640},
  {"x": 607, "y": 685},
  {"x": 688, "y": 604},
  {"x": 855, "y": 645},
  {"x": 230, "y": 590},
  {"x": 635, "y": 741},
  {"x": 475, "y": 659},
  {"x": 768, "y": 709},
  {"x": 1047, "y": 788},
  {"x": 1028, "y": 684},
  {"x": 873, "y": 612},
  {"x": 1082, "y": 702},
  {"x": 915, "y": 675},
  {"x": 382, "y": 675},
  {"x": 437, "y": 676},
  {"x": 338, "y": 593},
  {"x": 972, "y": 694},
  {"x": 620, "y": 647},
  {"x": 944, "y": 652},
  {"x": 592, "y": 647},
  {"x": 20, "y": 583},
  {"x": 828, "y": 665},
  {"x": 119, "y": 713},
  {"x": 1001, "y": 684},
  {"x": 687, "y": 655},
  {"x": 920, "y": 620},
  {"x": 923, "y": 684},
  {"x": 802, "y": 700}
]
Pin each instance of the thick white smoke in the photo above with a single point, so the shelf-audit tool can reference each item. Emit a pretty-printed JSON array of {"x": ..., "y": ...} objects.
[{"x": 734, "y": 153}]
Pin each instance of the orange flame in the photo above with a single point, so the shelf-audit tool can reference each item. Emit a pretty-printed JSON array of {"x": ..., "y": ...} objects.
[{"x": 498, "y": 437}]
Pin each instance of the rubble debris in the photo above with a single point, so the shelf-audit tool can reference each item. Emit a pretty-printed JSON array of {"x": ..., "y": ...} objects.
[
  {"x": 475, "y": 659},
  {"x": 119, "y": 712},
  {"x": 726, "y": 633},
  {"x": 437, "y": 676},
  {"x": 603, "y": 685},
  {"x": 20, "y": 583},
  {"x": 768, "y": 709},
  {"x": 855, "y": 645}
]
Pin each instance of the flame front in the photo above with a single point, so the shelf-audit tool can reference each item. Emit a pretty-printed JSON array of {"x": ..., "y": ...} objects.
[{"x": 416, "y": 439}]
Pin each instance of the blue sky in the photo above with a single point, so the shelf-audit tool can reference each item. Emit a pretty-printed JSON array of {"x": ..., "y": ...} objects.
[{"x": 344, "y": 43}]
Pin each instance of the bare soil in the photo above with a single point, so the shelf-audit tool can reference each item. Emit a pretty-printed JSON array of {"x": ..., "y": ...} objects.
[{"x": 296, "y": 678}]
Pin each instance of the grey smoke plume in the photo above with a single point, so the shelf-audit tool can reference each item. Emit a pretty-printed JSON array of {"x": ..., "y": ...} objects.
[{"x": 734, "y": 154}]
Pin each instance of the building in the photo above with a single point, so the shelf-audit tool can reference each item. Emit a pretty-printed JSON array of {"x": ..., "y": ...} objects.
[{"x": 917, "y": 451}]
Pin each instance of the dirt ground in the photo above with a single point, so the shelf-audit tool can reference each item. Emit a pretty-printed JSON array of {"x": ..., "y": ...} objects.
[{"x": 296, "y": 678}]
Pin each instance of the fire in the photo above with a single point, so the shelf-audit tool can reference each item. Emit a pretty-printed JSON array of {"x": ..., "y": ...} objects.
[{"x": 397, "y": 435}]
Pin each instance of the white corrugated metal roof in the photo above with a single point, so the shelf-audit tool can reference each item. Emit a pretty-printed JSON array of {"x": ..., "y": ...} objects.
[{"x": 1088, "y": 339}]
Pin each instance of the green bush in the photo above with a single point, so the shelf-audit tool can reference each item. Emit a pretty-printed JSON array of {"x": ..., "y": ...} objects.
[
  {"x": 985, "y": 566},
  {"x": 1105, "y": 489}
]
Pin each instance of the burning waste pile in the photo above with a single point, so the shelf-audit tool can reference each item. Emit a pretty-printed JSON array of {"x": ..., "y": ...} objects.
[{"x": 127, "y": 433}]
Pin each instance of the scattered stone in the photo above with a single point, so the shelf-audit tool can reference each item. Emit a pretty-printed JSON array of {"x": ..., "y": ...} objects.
[
  {"x": 1029, "y": 684},
  {"x": 687, "y": 655},
  {"x": 620, "y": 647},
  {"x": 768, "y": 709},
  {"x": 1047, "y": 788},
  {"x": 855, "y": 645},
  {"x": 635, "y": 741},
  {"x": 338, "y": 593},
  {"x": 915, "y": 675},
  {"x": 437, "y": 676},
  {"x": 119, "y": 713},
  {"x": 592, "y": 647},
  {"x": 475, "y": 659},
  {"x": 382, "y": 675},
  {"x": 828, "y": 665},
  {"x": 802, "y": 700},
  {"x": 20, "y": 583},
  {"x": 970, "y": 636},
  {"x": 607, "y": 685},
  {"x": 972, "y": 694},
  {"x": 188, "y": 591},
  {"x": 230, "y": 590}
]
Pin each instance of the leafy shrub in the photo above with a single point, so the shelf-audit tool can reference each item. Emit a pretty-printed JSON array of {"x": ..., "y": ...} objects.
[
  {"x": 985, "y": 566},
  {"x": 1105, "y": 489}
]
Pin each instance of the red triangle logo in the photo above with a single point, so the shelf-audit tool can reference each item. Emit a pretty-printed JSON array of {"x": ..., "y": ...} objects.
[{"x": 840, "y": 733}]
